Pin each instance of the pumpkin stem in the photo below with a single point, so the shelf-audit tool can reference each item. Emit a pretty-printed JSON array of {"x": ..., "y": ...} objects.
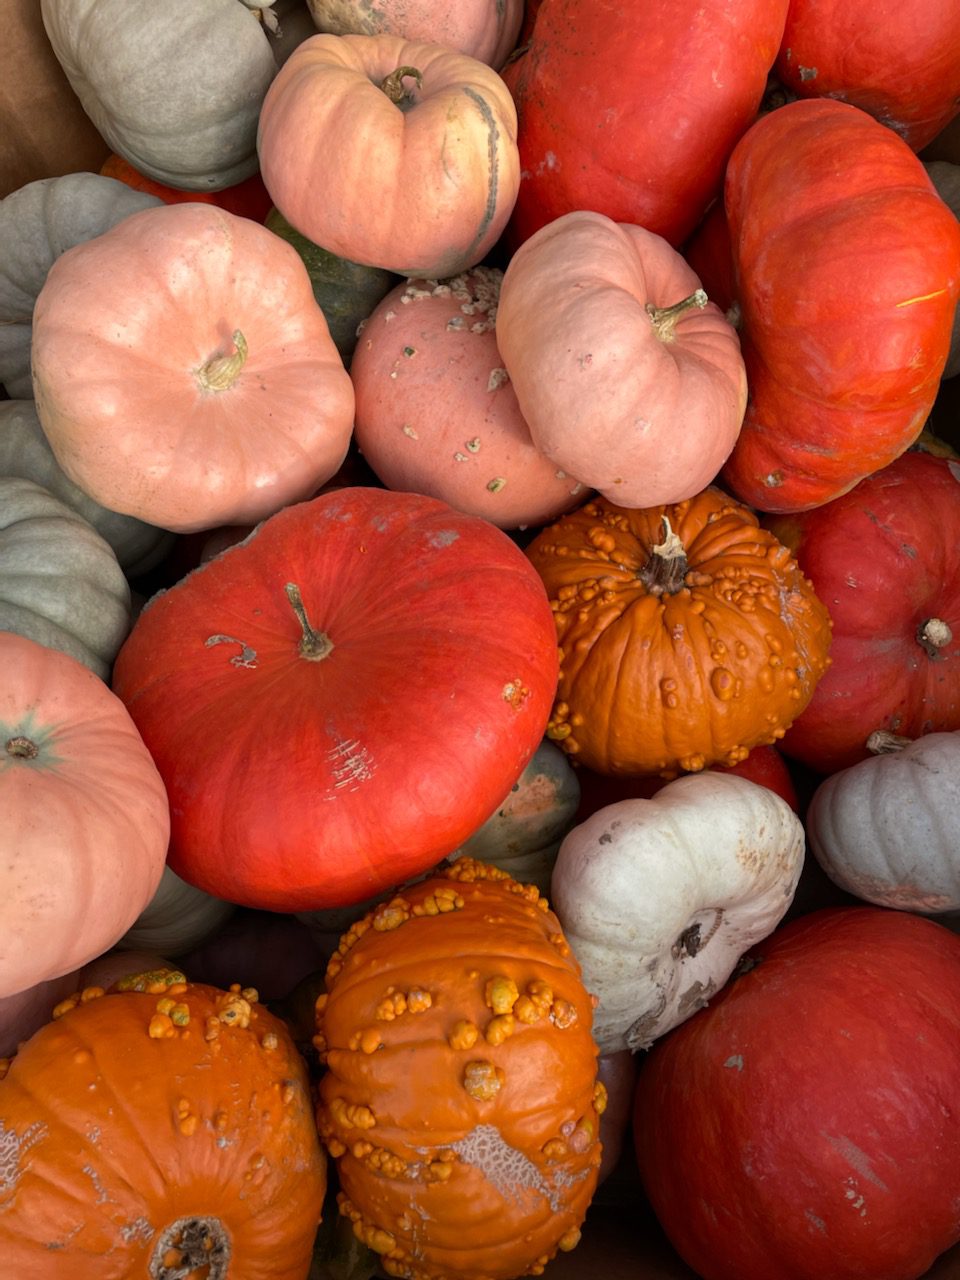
[
  {"x": 392, "y": 85},
  {"x": 664, "y": 319},
  {"x": 221, "y": 372},
  {"x": 22, "y": 748},
  {"x": 933, "y": 635},
  {"x": 665, "y": 570},
  {"x": 314, "y": 645},
  {"x": 882, "y": 742},
  {"x": 191, "y": 1246}
]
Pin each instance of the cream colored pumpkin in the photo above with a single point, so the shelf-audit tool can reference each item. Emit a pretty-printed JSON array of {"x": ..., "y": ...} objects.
[
  {"x": 887, "y": 829},
  {"x": 184, "y": 373},
  {"x": 177, "y": 918},
  {"x": 60, "y": 583},
  {"x": 660, "y": 898}
]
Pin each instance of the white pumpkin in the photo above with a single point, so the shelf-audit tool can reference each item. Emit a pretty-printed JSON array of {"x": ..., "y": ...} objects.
[
  {"x": 175, "y": 88},
  {"x": 25, "y": 452},
  {"x": 177, "y": 918},
  {"x": 38, "y": 223},
  {"x": 60, "y": 582},
  {"x": 887, "y": 830},
  {"x": 660, "y": 898}
]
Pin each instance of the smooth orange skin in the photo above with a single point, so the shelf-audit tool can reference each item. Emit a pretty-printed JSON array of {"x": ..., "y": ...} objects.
[
  {"x": 422, "y": 190},
  {"x": 96, "y": 1101}
]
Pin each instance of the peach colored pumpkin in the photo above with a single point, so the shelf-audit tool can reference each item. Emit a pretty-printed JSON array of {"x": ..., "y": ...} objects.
[
  {"x": 184, "y": 373},
  {"x": 436, "y": 412},
  {"x": 391, "y": 153},
  {"x": 85, "y": 816},
  {"x": 627, "y": 376},
  {"x": 484, "y": 29}
]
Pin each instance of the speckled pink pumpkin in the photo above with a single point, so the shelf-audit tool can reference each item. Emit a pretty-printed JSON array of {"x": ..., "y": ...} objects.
[{"x": 437, "y": 413}]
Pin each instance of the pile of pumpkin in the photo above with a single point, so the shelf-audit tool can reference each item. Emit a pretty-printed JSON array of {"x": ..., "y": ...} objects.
[{"x": 467, "y": 526}]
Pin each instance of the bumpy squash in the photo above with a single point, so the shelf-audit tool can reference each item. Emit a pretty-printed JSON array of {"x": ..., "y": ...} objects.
[{"x": 460, "y": 1100}]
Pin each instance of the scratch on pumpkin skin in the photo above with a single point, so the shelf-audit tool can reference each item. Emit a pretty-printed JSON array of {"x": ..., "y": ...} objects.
[
  {"x": 351, "y": 763},
  {"x": 247, "y": 657},
  {"x": 922, "y": 297}
]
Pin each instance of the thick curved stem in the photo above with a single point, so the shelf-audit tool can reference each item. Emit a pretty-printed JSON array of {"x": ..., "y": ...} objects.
[
  {"x": 314, "y": 645},
  {"x": 220, "y": 373},
  {"x": 392, "y": 85},
  {"x": 664, "y": 319},
  {"x": 666, "y": 568}
]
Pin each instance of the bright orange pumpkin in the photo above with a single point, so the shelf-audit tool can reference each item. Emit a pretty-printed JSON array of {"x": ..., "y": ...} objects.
[{"x": 687, "y": 634}]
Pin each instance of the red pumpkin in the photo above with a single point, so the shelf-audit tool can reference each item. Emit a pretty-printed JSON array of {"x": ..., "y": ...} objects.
[
  {"x": 633, "y": 111},
  {"x": 885, "y": 560},
  {"x": 824, "y": 1136},
  {"x": 899, "y": 62},
  {"x": 249, "y": 198},
  {"x": 164, "y": 1130},
  {"x": 326, "y": 740},
  {"x": 847, "y": 265}
]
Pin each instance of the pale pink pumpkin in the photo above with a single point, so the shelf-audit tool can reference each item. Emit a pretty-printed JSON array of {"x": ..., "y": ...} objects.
[
  {"x": 86, "y": 821},
  {"x": 627, "y": 375},
  {"x": 390, "y": 152},
  {"x": 436, "y": 411},
  {"x": 185, "y": 374}
]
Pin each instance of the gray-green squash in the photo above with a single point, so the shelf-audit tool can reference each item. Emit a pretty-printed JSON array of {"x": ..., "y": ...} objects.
[
  {"x": 60, "y": 583},
  {"x": 39, "y": 222}
]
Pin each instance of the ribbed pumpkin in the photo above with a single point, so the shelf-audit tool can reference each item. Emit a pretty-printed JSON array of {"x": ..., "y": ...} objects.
[
  {"x": 687, "y": 634},
  {"x": 85, "y": 817},
  {"x": 460, "y": 1098},
  {"x": 164, "y": 1130}
]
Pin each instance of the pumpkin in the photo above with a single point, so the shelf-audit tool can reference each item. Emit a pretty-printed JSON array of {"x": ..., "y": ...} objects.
[
  {"x": 38, "y": 222},
  {"x": 25, "y": 453},
  {"x": 460, "y": 1099},
  {"x": 687, "y": 634},
  {"x": 437, "y": 412},
  {"x": 523, "y": 834},
  {"x": 900, "y": 64},
  {"x": 885, "y": 560},
  {"x": 435, "y": 128},
  {"x": 177, "y": 918},
  {"x": 174, "y": 88},
  {"x": 485, "y": 29},
  {"x": 339, "y": 701},
  {"x": 60, "y": 583},
  {"x": 945, "y": 176},
  {"x": 345, "y": 291},
  {"x": 825, "y": 1135},
  {"x": 249, "y": 198},
  {"x": 27, "y": 1011},
  {"x": 660, "y": 898},
  {"x": 86, "y": 821},
  {"x": 628, "y": 378},
  {"x": 202, "y": 387},
  {"x": 883, "y": 828},
  {"x": 843, "y": 360},
  {"x": 634, "y": 112},
  {"x": 146, "y": 1095}
]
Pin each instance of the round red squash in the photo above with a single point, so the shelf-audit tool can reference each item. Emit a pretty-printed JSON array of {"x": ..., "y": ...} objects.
[
  {"x": 899, "y": 62},
  {"x": 847, "y": 265},
  {"x": 885, "y": 560},
  {"x": 807, "y": 1122},
  {"x": 632, "y": 110},
  {"x": 339, "y": 701}
]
